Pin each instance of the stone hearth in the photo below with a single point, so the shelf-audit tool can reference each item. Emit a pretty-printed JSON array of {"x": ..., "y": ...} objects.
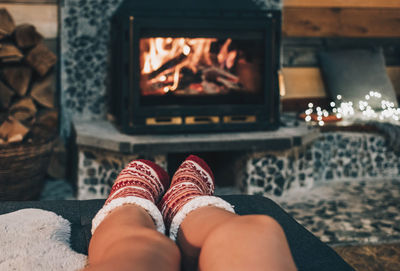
[{"x": 102, "y": 151}]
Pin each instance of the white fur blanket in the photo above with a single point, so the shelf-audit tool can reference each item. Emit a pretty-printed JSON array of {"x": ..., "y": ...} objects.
[{"x": 34, "y": 239}]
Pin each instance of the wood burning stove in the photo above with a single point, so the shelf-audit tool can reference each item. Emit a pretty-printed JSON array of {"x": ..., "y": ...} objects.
[{"x": 181, "y": 66}]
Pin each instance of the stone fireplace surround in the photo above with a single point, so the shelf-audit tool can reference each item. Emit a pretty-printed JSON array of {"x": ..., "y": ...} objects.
[
  {"x": 84, "y": 60},
  {"x": 85, "y": 37},
  {"x": 276, "y": 164},
  {"x": 101, "y": 151}
]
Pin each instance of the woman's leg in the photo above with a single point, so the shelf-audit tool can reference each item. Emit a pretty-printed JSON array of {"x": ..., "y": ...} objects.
[
  {"x": 211, "y": 235},
  {"x": 219, "y": 240},
  {"x": 127, "y": 240},
  {"x": 128, "y": 231}
]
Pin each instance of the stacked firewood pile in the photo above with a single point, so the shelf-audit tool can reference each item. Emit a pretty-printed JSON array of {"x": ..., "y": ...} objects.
[{"x": 27, "y": 108}]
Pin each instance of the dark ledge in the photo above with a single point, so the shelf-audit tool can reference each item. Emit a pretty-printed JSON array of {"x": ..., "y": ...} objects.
[
  {"x": 102, "y": 134},
  {"x": 355, "y": 127}
]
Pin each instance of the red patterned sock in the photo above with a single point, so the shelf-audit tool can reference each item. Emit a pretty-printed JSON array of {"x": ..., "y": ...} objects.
[
  {"x": 192, "y": 187},
  {"x": 141, "y": 183}
]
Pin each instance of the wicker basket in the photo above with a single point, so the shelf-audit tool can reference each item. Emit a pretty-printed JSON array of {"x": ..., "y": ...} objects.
[{"x": 23, "y": 168}]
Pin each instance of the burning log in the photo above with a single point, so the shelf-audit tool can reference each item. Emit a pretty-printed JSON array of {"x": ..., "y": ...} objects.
[
  {"x": 190, "y": 66},
  {"x": 167, "y": 65},
  {"x": 212, "y": 73},
  {"x": 26, "y": 36},
  {"x": 26, "y": 94},
  {"x": 217, "y": 75},
  {"x": 9, "y": 53},
  {"x": 7, "y": 24},
  {"x": 228, "y": 84},
  {"x": 210, "y": 87}
]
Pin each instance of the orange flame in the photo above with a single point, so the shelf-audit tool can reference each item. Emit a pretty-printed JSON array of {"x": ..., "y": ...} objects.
[{"x": 190, "y": 53}]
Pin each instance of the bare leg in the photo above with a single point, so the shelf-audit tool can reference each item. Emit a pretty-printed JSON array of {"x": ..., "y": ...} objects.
[
  {"x": 220, "y": 240},
  {"x": 127, "y": 240}
]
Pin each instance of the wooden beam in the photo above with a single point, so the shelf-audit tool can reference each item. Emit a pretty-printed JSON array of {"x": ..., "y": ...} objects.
[
  {"x": 343, "y": 3},
  {"x": 341, "y": 22},
  {"x": 31, "y": 2},
  {"x": 43, "y": 16}
]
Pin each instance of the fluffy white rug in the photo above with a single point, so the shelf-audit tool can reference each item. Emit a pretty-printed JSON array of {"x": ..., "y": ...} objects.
[{"x": 34, "y": 239}]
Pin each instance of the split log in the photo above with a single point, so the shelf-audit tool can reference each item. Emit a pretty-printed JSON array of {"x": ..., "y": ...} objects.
[
  {"x": 167, "y": 65},
  {"x": 18, "y": 77},
  {"x": 12, "y": 130},
  {"x": 26, "y": 36},
  {"x": 210, "y": 87},
  {"x": 43, "y": 92},
  {"x": 212, "y": 73},
  {"x": 7, "y": 24},
  {"x": 25, "y": 62},
  {"x": 15, "y": 138},
  {"x": 23, "y": 109},
  {"x": 45, "y": 125},
  {"x": 5, "y": 96},
  {"x": 3, "y": 117},
  {"x": 220, "y": 76},
  {"x": 47, "y": 118},
  {"x": 10, "y": 53},
  {"x": 41, "y": 59},
  {"x": 228, "y": 84}
]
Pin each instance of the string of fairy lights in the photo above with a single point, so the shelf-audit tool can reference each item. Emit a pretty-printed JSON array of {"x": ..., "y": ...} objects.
[{"x": 348, "y": 110}]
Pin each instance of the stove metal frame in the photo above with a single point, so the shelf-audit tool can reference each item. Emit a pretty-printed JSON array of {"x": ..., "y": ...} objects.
[{"x": 125, "y": 95}]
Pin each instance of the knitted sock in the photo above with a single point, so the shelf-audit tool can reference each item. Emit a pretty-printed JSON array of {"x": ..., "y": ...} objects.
[
  {"x": 192, "y": 187},
  {"x": 141, "y": 183}
]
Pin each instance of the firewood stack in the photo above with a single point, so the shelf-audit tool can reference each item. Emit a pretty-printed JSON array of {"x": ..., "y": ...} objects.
[{"x": 27, "y": 108}]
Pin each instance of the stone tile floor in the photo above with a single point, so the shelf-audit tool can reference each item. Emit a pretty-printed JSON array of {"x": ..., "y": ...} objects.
[
  {"x": 57, "y": 190},
  {"x": 349, "y": 212},
  {"x": 338, "y": 212},
  {"x": 372, "y": 257}
]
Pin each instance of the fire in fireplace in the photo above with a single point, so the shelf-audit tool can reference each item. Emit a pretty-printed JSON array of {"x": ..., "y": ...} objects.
[
  {"x": 199, "y": 66},
  {"x": 194, "y": 67}
]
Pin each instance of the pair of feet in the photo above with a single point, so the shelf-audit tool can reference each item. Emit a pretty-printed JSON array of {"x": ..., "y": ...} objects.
[{"x": 147, "y": 185}]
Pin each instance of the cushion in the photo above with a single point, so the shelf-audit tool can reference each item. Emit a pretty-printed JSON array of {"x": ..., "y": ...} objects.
[
  {"x": 353, "y": 73},
  {"x": 34, "y": 239}
]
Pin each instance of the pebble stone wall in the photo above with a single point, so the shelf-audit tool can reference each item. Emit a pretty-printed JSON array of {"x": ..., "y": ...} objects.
[
  {"x": 97, "y": 170},
  {"x": 334, "y": 156}
]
